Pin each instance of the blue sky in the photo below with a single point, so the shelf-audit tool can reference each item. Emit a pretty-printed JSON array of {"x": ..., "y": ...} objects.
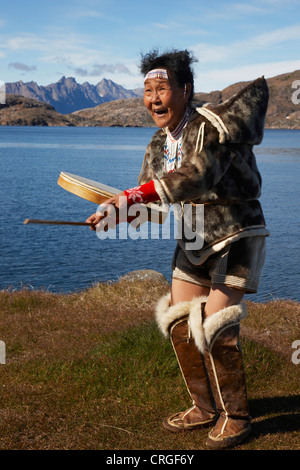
[{"x": 94, "y": 39}]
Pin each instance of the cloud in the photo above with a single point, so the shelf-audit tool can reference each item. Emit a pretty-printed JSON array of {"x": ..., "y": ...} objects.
[
  {"x": 23, "y": 42},
  {"x": 241, "y": 49},
  {"x": 100, "y": 69},
  {"x": 52, "y": 44},
  {"x": 220, "y": 78},
  {"x": 208, "y": 53},
  {"x": 23, "y": 67},
  {"x": 75, "y": 51},
  {"x": 161, "y": 26},
  {"x": 277, "y": 36},
  {"x": 87, "y": 14},
  {"x": 230, "y": 11},
  {"x": 247, "y": 9}
]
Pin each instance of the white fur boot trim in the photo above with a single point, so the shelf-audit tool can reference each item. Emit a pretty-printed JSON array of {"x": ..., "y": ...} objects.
[
  {"x": 196, "y": 322},
  {"x": 166, "y": 314},
  {"x": 226, "y": 316}
]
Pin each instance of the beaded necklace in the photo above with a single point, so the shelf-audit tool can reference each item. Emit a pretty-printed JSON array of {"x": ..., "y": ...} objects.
[{"x": 172, "y": 147}]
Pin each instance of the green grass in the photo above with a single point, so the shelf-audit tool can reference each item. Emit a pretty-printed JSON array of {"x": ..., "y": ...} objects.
[{"x": 81, "y": 377}]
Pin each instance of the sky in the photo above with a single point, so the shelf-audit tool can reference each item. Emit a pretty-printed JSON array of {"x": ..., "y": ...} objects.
[{"x": 94, "y": 39}]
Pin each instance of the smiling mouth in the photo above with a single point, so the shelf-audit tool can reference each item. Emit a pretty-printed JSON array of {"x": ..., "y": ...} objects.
[{"x": 160, "y": 112}]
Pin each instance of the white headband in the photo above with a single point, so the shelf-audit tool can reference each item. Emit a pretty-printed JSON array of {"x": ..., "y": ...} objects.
[{"x": 157, "y": 73}]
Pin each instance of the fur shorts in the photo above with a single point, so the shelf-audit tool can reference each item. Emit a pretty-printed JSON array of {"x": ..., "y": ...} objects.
[{"x": 238, "y": 265}]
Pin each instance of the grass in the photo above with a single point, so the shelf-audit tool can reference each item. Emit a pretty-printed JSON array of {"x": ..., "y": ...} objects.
[{"x": 91, "y": 371}]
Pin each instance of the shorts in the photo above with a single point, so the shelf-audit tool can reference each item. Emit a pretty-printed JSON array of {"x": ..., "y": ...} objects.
[{"x": 238, "y": 265}]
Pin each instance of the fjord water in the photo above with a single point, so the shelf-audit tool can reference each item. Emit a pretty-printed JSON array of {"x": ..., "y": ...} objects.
[{"x": 68, "y": 258}]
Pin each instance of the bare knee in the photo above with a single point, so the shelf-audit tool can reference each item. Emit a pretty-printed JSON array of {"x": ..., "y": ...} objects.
[
  {"x": 222, "y": 296},
  {"x": 183, "y": 291}
]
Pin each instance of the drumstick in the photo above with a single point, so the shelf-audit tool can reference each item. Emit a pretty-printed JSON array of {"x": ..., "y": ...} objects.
[{"x": 55, "y": 222}]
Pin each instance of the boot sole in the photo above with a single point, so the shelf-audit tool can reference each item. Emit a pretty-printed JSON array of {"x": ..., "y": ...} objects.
[
  {"x": 167, "y": 424},
  {"x": 227, "y": 442}
]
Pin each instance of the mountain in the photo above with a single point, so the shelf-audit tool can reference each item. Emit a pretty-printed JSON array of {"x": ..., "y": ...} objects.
[
  {"x": 283, "y": 111},
  {"x": 67, "y": 96}
]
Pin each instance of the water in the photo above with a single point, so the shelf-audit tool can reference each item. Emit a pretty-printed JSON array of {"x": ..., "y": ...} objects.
[{"x": 67, "y": 259}]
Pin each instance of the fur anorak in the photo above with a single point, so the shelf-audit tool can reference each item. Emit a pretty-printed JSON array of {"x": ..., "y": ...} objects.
[{"x": 218, "y": 168}]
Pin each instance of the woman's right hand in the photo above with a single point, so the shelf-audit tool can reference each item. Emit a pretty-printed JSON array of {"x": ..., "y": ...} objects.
[
  {"x": 94, "y": 219},
  {"x": 109, "y": 211}
]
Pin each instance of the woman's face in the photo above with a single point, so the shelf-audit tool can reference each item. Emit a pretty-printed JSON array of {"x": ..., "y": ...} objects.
[{"x": 165, "y": 101}]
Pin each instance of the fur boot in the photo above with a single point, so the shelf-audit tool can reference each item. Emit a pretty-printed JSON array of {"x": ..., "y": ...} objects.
[
  {"x": 183, "y": 323},
  {"x": 227, "y": 378}
]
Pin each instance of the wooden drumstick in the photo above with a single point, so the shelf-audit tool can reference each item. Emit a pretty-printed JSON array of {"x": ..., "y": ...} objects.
[{"x": 55, "y": 222}]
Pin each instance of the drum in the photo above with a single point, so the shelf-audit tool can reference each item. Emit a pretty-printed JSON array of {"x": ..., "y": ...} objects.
[
  {"x": 99, "y": 193},
  {"x": 87, "y": 189}
]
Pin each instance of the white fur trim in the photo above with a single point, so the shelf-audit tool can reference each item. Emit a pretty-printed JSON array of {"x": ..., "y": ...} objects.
[
  {"x": 196, "y": 322},
  {"x": 161, "y": 192},
  {"x": 165, "y": 314},
  {"x": 167, "y": 195},
  {"x": 216, "y": 122},
  {"x": 200, "y": 138},
  {"x": 224, "y": 317}
]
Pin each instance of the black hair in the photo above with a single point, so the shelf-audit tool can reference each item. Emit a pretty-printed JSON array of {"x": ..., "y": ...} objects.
[{"x": 178, "y": 62}]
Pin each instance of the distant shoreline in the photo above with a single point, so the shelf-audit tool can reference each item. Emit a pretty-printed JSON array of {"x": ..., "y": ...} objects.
[
  {"x": 283, "y": 109},
  {"x": 125, "y": 126}
]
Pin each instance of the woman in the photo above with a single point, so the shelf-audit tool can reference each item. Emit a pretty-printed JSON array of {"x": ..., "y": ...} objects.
[{"x": 204, "y": 157}]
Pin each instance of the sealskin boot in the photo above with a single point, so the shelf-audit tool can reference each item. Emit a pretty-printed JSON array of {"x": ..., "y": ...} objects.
[
  {"x": 191, "y": 363},
  {"x": 227, "y": 378}
]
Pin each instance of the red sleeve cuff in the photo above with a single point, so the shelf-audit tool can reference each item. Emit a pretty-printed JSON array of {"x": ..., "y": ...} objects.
[{"x": 142, "y": 194}]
